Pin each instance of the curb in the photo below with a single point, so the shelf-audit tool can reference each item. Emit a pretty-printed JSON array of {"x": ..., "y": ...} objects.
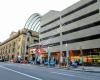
[
  {"x": 82, "y": 70},
  {"x": 85, "y": 70}
]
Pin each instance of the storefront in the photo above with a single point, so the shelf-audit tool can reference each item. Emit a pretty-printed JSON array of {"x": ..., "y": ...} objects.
[{"x": 90, "y": 57}]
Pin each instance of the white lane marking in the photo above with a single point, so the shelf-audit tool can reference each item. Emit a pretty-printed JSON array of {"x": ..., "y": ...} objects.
[
  {"x": 63, "y": 74},
  {"x": 21, "y": 73},
  {"x": 70, "y": 75}
]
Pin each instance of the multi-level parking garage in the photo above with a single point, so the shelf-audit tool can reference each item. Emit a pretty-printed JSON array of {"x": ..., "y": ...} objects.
[{"x": 77, "y": 26}]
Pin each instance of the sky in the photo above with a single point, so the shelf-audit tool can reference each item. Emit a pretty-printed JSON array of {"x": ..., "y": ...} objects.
[{"x": 14, "y": 13}]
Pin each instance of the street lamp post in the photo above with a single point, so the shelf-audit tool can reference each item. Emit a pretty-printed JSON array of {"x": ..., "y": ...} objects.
[
  {"x": 61, "y": 45},
  {"x": 82, "y": 58},
  {"x": 49, "y": 53},
  {"x": 67, "y": 55}
]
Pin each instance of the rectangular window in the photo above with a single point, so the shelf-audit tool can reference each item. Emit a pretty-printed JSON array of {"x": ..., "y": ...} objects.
[{"x": 36, "y": 41}]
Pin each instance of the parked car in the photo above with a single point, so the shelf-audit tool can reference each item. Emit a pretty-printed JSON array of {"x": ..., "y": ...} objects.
[
  {"x": 13, "y": 61},
  {"x": 74, "y": 64},
  {"x": 31, "y": 62},
  {"x": 24, "y": 62},
  {"x": 46, "y": 63},
  {"x": 1, "y": 60},
  {"x": 52, "y": 63}
]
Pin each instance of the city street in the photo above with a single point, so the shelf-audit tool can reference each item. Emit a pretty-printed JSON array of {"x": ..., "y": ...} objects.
[{"x": 10, "y": 71}]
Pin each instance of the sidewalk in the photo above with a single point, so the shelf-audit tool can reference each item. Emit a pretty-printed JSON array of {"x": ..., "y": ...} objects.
[
  {"x": 80, "y": 68},
  {"x": 86, "y": 69}
]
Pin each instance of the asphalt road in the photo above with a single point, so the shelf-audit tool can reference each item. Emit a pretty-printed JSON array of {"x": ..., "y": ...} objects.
[{"x": 9, "y": 71}]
